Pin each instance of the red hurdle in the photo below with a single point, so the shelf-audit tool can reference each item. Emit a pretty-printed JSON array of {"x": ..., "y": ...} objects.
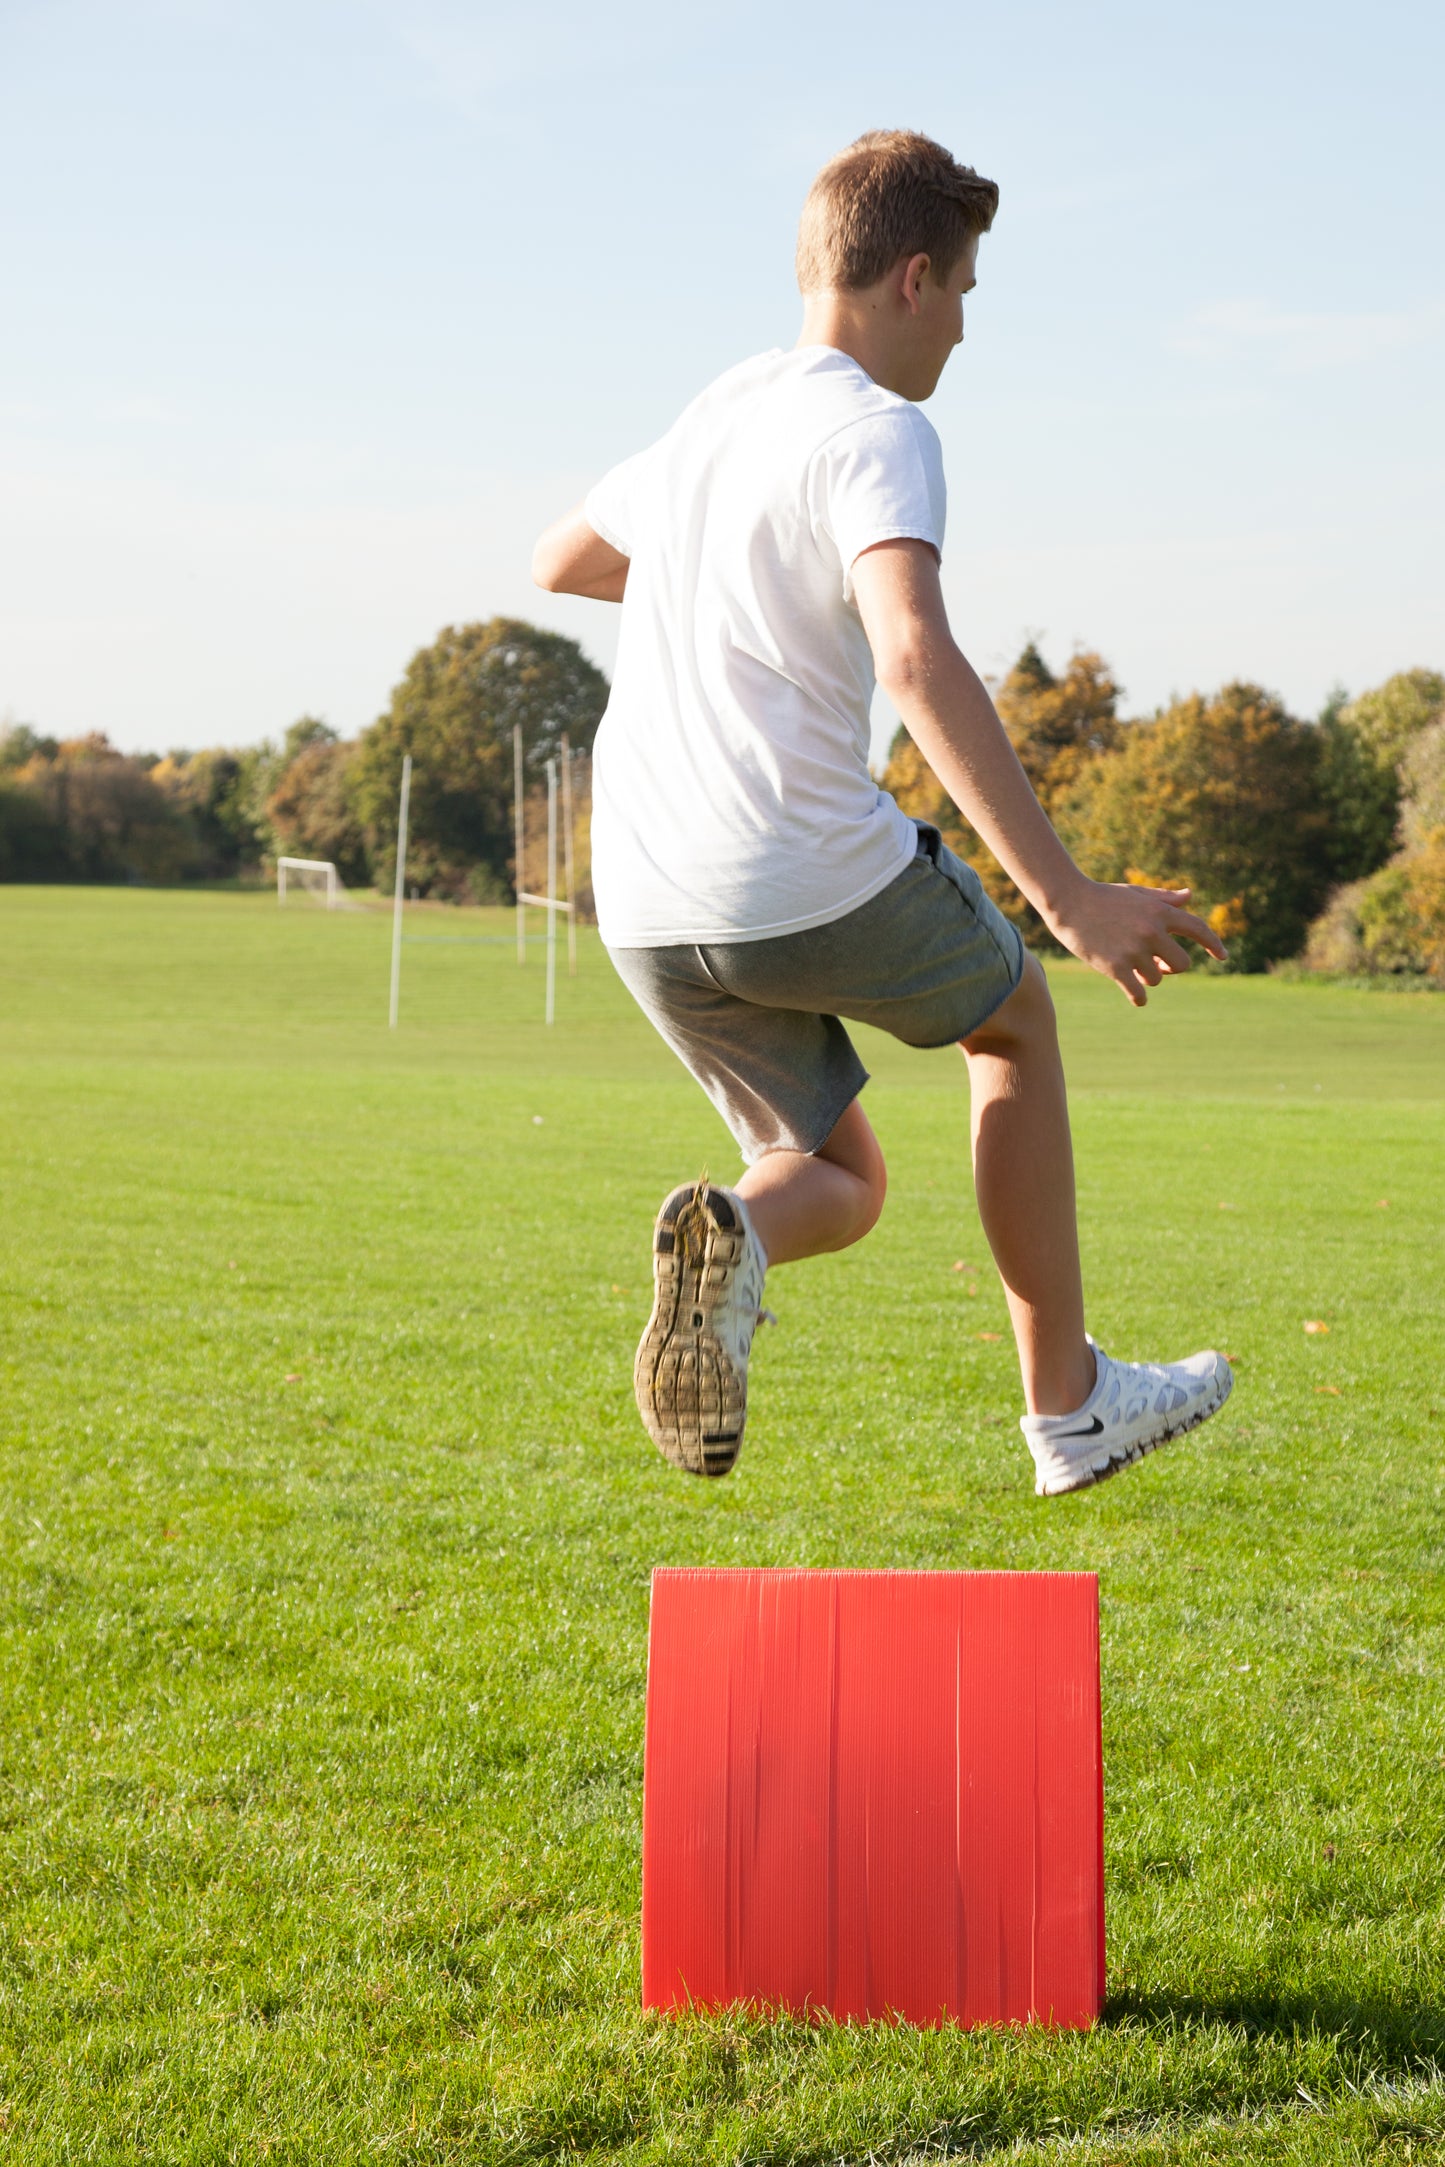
[{"x": 878, "y": 1794}]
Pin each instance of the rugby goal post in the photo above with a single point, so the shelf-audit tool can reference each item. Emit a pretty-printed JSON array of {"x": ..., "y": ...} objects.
[
  {"x": 314, "y": 875},
  {"x": 552, "y": 903}
]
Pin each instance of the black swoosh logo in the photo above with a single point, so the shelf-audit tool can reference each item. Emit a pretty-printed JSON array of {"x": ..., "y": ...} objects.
[{"x": 1095, "y": 1429}]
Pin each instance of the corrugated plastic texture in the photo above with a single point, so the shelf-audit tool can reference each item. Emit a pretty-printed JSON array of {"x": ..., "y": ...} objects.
[{"x": 875, "y": 1794}]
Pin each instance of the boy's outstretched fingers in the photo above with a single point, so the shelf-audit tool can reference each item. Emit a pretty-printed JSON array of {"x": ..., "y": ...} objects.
[
  {"x": 1191, "y": 928},
  {"x": 1133, "y": 934}
]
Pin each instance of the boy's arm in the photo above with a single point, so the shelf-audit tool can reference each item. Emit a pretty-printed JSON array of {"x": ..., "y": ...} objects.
[
  {"x": 1130, "y": 934},
  {"x": 572, "y": 558}
]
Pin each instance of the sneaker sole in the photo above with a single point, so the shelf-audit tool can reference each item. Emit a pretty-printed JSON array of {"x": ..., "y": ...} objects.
[
  {"x": 691, "y": 1399},
  {"x": 1086, "y": 1477}
]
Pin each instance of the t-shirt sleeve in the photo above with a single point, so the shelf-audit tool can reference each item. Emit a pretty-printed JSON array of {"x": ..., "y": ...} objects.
[
  {"x": 880, "y": 479},
  {"x": 610, "y": 507}
]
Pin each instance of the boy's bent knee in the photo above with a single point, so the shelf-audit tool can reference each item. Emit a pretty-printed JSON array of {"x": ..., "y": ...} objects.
[
  {"x": 1025, "y": 1018},
  {"x": 856, "y": 1151},
  {"x": 875, "y": 1193}
]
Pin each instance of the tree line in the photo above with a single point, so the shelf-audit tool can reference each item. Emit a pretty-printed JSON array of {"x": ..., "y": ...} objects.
[
  {"x": 1323, "y": 840},
  {"x": 1320, "y": 840},
  {"x": 80, "y": 810}
]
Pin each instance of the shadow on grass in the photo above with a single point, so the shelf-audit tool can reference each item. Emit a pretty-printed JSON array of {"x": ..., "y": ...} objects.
[{"x": 1395, "y": 2035}]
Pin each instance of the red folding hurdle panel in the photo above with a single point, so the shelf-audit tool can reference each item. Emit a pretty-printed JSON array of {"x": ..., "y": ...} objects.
[{"x": 876, "y": 1794}]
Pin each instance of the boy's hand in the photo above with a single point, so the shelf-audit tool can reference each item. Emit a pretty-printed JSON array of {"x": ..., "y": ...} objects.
[{"x": 1131, "y": 934}]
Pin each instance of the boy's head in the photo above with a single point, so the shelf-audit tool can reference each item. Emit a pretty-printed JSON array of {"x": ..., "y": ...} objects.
[{"x": 888, "y": 197}]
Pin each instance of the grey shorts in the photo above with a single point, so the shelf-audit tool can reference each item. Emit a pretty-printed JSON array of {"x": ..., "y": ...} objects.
[{"x": 757, "y": 1022}]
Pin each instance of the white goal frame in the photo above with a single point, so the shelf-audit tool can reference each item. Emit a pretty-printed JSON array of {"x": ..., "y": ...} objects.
[{"x": 309, "y": 865}]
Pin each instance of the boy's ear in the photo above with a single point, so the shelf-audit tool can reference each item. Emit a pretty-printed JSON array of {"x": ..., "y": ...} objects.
[{"x": 915, "y": 271}]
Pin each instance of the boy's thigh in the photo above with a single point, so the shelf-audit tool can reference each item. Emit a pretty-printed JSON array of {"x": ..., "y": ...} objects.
[
  {"x": 757, "y": 1022},
  {"x": 928, "y": 960},
  {"x": 781, "y": 1077}
]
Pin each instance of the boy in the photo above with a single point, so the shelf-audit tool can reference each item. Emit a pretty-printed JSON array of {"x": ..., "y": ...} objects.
[{"x": 777, "y": 550}]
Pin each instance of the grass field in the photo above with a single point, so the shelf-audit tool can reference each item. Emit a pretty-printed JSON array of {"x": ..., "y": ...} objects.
[{"x": 328, "y": 1524}]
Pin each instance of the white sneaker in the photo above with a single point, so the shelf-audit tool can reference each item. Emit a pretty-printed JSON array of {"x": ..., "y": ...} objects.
[
  {"x": 1133, "y": 1407},
  {"x": 691, "y": 1373}
]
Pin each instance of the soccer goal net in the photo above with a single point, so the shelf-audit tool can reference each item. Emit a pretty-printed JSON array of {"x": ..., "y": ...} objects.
[{"x": 313, "y": 877}]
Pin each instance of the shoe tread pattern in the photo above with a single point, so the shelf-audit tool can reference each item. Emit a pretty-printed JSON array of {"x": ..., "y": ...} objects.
[{"x": 690, "y": 1397}]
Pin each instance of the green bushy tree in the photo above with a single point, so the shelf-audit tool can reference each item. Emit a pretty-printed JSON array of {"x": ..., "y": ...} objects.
[
  {"x": 1392, "y": 714},
  {"x": 1394, "y": 921},
  {"x": 1360, "y": 790},
  {"x": 32, "y": 843},
  {"x": 19, "y": 745},
  {"x": 216, "y": 790},
  {"x": 454, "y": 711}
]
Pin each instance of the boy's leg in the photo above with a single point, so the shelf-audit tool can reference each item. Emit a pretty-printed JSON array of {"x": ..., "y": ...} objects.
[
  {"x": 1089, "y": 1415},
  {"x": 709, "y": 1259},
  {"x": 1023, "y": 1170},
  {"x": 803, "y": 1204},
  {"x": 1024, "y": 1179}
]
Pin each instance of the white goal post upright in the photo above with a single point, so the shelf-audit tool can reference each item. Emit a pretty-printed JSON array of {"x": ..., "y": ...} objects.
[
  {"x": 519, "y": 828},
  {"x": 551, "y": 902},
  {"x": 401, "y": 826},
  {"x": 551, "y": 891},
  {"x": 309, "y": 865},
  {"x": 567, "y": 856}
]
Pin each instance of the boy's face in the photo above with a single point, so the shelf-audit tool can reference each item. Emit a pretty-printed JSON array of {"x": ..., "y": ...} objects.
[{"x": 934, "y": 324}]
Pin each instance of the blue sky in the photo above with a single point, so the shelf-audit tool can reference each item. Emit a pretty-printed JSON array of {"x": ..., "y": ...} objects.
[{"x": 314, "y": 313}]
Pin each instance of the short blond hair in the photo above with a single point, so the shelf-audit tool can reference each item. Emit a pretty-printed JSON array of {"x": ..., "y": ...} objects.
[{"x": 891, "y": 194}]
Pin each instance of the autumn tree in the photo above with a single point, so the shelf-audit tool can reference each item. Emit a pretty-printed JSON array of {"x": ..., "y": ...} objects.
[
  {"x": 115, "y": 820},
  {"x": 454, "y": 712},
  {"x": 312, "y": 809},
  {"x": 1220, "y": 795},
  {"x": 1422, "y": 780},
  {"x": 1057, "y": 726}
]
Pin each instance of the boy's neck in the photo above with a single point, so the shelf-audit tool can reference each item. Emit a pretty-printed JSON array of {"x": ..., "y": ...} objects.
[
  {"x": 848, "y": 323},
  {"x": 901, "y": 329}
]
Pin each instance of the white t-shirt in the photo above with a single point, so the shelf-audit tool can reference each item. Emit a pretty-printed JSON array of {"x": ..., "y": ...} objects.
[{"x": 731, "y": 798}]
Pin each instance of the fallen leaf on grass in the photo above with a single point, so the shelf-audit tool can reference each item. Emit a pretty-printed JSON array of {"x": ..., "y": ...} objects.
[
  {"x": 293, "y": 1376},
  {"x": 1329, "y": 1850},
  {"x": 1332, "y": 1389},
  {"x": 1315, "y": 1324},
  {"x": 965, "y": 1267},
  {"x": 988, "y": 1335},
  {"x": 1383, "y": 1204}
]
